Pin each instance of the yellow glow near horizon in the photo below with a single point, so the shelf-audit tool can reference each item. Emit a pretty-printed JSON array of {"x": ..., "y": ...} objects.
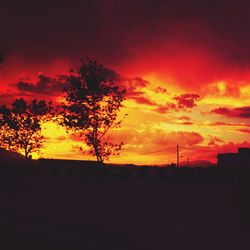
[
  {"x": 58, "y": 143},
  {"x": 145, "y": 129}
]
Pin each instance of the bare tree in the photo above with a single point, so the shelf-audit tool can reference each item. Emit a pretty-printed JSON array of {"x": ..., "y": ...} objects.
[{"x": 91, "y": 108}]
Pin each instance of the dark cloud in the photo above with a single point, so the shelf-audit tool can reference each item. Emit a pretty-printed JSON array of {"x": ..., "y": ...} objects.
[
  {"x": 214, "y": 140},
  {"x": 180, "y": 103},
  {"x": 117, "y": 31},
  {"x": 144, "y": 100},
  {"x": 164, "y": 109},
  {"x": 133, "y": 83},
  {"x": 161, "y": 90},
  {"x": 187, "y": 100},
  {"x": 44, "y": 85},
  {"x": 134, "y": 88},
  {"x": 185, "y": 120},
  {"x": 242, "y": 112}
]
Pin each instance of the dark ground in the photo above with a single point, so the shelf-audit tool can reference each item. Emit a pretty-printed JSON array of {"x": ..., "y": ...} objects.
[{"x": 74, "y": 213}]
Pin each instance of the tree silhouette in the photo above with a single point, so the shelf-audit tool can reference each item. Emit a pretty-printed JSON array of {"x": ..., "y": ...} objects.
[
  {"x": 92, "y": 104},
  {"x": 7, "y": 134},
  {"x": 20, "y": 126}
]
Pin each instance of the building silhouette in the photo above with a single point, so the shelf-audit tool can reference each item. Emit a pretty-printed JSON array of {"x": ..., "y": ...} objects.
[{"x": 235, "y": 160}]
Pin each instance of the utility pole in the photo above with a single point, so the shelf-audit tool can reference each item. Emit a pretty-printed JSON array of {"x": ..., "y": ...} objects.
[
  {"x": 177, "y": 156},
  {"x": 188, "y": 162}
]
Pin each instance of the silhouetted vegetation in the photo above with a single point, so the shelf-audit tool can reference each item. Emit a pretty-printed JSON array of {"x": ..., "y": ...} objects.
[
  {"x": 91, "y": 108},
  {"x": 91, "y": 170},
  {"x": 20, "y": 126}
]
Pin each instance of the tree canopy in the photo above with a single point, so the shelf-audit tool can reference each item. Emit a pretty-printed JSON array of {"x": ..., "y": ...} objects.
[
  {"x": 20, "y": 126},
  {"x": 91, "y": 107}
]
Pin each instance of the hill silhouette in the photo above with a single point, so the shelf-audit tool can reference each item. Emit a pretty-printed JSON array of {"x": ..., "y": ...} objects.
[
  {"x": 8, "y": 156},
  {"x": 198, "y": 163}
]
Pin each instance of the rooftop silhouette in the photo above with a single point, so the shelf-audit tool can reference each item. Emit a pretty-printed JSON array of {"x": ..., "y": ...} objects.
[{"x": 239, "y": 160}]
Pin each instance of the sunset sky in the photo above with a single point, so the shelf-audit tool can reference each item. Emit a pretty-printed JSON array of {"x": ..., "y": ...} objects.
[{"x": 186, "y": 68}]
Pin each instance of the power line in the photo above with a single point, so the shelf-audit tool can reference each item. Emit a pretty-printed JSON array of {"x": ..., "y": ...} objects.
[
  {"x": 189, "y": 148},
  {"x": 172, "y": 148},
  {"x": 177, "y": 148},
  {"x": 152, "y": 152}
]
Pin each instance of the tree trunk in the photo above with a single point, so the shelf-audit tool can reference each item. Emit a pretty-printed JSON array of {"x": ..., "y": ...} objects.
[
  {"x": 97, "y": 154},
  {"x": 26, "y": 153},
  {"x": 96, "y": 143}
]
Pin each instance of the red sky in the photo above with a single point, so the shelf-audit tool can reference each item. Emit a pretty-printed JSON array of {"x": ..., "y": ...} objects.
[{"x": 186, "y": 68}]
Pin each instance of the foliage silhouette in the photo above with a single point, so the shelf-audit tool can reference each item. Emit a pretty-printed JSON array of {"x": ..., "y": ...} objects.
[
  {"x": 20, "y": 125},
  {"x": 91, "y": 108}
]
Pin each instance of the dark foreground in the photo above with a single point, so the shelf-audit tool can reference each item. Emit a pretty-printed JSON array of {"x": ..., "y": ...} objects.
[{"x": 74, "y": 213}]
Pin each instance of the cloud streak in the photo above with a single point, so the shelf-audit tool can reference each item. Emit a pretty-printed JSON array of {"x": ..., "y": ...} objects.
[
  {"x": 242, "y": 112},
  {"x": 45, "y": 85}
]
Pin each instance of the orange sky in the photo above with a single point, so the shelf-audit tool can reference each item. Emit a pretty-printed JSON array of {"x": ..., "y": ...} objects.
[
  {"x": 186, "y": 68},
  {"x": 203, "y": 119}
]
